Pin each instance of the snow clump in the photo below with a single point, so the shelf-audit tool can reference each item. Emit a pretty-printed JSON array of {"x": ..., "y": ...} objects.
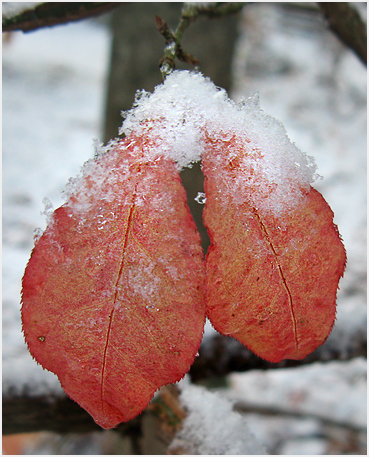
[
  {"x": 187, "y": 104},
  {"x": 187, "y": 113},
  {"x": 212, "y": 427},
  {"x": 186, "y": 117}
]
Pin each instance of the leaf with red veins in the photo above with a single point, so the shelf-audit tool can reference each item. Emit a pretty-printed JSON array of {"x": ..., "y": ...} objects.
[
  {"x": 272, "y": 276},
  {"x": 113, "y": 296}
]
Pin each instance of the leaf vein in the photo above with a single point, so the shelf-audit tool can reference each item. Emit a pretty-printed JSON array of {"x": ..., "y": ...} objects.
[
  {"x": 129, "y": 225},
  {"x": 280, "y": 271}
]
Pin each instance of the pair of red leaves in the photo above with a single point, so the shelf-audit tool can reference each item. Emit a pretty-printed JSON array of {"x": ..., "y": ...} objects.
[{"x": 115, "y": 293}]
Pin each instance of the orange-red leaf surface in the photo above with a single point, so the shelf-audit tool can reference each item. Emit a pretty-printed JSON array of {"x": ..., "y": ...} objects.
[
  {"x": 113, "y": 298},
  {"x": 272, "y": 276}
]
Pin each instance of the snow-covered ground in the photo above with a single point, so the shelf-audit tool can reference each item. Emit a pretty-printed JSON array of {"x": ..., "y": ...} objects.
[{"x": 53, "y": 99}]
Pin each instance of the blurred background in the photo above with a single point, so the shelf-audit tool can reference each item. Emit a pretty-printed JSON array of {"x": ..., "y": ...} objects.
[{"x": 66, "y": 85}]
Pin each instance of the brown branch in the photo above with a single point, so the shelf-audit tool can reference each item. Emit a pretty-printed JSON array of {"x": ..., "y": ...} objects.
[
  {"x": 164, "y": 30},
  {"x": 54, "y": 13},
  {"x": 346, "y": 23},
  {"x": 219, "y": 356},
  {"x": 60, "y": 414}
]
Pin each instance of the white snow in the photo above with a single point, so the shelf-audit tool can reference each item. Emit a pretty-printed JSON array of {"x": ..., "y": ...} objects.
[
  {"x": 212, "y": 427},
  {"x": 332, "y": 391},
  {"x": 200, "y": 198},
  {"x": 187, "y": 110},
  {"x": 10, "y": 9}
]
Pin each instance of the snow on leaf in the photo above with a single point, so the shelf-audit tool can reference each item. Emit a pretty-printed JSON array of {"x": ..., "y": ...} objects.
[
  {"x": 272, "y": 273},
  {"x": 187, "y": 106},
  {"x": 113, "y": 292}
]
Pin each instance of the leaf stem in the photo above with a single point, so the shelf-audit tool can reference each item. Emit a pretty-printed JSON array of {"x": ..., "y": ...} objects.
[{"x": 190, "y": 12}]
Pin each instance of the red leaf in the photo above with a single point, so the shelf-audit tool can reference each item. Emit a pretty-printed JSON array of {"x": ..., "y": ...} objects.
[
  {"x": 272, "y": 276},
  {"x": 113, "y": 292}
]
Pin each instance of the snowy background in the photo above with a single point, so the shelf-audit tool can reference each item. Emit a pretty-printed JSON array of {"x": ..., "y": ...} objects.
[{"x": 54, "y": 83}]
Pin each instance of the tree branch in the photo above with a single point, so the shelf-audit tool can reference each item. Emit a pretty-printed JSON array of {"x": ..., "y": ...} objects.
[
  {"x": 219, "y": 356},
  {"x": 54, "y": 13},
  {"x": 347, "y": 24},
  {"x": 60, "y": 414}
]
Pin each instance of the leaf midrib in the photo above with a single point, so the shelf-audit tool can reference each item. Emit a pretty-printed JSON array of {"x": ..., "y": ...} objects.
[
  {"x": 284, "y": 282},
  {"x": 128, "y": 229}
]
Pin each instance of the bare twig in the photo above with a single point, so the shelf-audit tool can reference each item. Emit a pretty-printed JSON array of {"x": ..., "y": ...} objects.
[
  {"x": 54, "y": 13},
  {"x": 172, "y": 49},
  {"x": 346, "y": 23},
  {"x": 190, "y": 12}
]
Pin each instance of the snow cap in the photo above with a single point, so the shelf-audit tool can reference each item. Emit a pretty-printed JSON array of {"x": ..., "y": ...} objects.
[
  {"x": 188, "y": 109},
  {"x": 186, "y": 117}
]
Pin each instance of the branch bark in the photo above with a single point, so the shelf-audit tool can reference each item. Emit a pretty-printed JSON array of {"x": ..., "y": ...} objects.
[
  {"x": 221, "y": 355},
  {"x": 24, "y": 414},
  {"x": 54, "y": 13},
  {"x": 346, "y": 23},
  {"x": 60, "y": 414}
]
